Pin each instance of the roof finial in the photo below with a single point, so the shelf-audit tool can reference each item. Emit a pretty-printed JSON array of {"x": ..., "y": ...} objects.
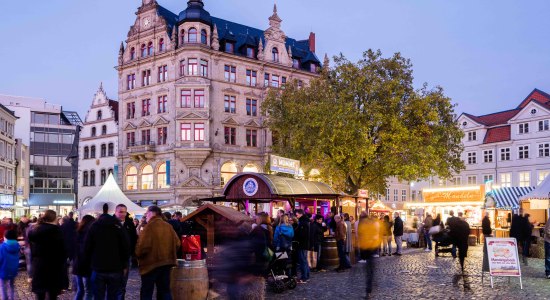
[{"x": 275, "y": 7}]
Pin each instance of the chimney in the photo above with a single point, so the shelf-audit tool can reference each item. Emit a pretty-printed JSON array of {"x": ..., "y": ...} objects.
[{"x": 312, "y": 42}]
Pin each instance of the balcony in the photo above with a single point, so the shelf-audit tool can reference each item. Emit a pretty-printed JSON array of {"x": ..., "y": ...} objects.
[{"x": 141, "y": 151}]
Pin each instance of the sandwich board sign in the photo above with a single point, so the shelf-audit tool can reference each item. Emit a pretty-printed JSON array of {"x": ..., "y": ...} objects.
[{"x": 503, "y": 258}]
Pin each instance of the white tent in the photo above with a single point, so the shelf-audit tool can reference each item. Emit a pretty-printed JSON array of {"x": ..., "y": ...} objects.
[
  {"x": 110, "y": 193},
  {"x": 540, "y": 196}
]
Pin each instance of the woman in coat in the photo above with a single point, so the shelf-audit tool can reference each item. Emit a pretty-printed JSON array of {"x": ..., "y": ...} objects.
[
  {"x": 48, "y": 257},
  {"x": 386, "y": 236},
  {"x": 82, "y": 269},
  {"x": 284, "y": 233}
]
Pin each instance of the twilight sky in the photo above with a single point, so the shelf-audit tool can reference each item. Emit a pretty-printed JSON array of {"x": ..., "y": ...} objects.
[{"x": 487, "y": 55}]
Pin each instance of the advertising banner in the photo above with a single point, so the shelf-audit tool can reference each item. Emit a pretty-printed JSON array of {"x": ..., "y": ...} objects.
[
  {"x": 503, "y": 257},
  {"x": 284, "y": 165}
]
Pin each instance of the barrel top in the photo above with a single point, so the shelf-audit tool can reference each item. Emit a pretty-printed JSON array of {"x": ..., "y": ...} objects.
[{"x": 182, "y": 263}]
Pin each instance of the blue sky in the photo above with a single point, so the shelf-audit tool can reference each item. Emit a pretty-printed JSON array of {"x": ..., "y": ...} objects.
[{"x": 487, "y": 55}]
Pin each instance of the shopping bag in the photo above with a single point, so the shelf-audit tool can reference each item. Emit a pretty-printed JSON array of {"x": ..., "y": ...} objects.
[{"x": 191, "y": 247}]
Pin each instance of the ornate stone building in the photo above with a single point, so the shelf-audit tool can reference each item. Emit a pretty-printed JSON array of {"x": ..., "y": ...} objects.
[{"x": 190, "y": 91}]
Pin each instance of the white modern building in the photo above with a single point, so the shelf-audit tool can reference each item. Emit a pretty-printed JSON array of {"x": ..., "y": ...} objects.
[{"x": 98, "y": 146}]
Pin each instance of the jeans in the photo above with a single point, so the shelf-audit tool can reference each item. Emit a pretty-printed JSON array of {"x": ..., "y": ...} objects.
[
  {"x": 386, "y": 243},
  {"x": 319, "y": 264},
  {"x": 302, "y": 262},
  {"x": 547, "y": 258},
  {"x": 83, "y": 287},
  {"x": 428, "y": 240},
  {"x": 125, "y": 280},
  {"x": 159, "y": 277},
  {"x": 344, "y": 261},
  {"x": 526, "y": 245},
  {"x": 453, "y": 250},
  {"x": 369, "y": 268},
  {"x": 110, "y": 283},
  {"x": 8, "y": 288},
  {"x": 399, "y": 243},
  {"x": 312, "y": 259}
]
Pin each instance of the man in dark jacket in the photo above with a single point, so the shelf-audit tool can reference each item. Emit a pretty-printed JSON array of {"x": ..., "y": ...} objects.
[
  {"x": 398, "y": 233},
  {"x": 526, "y": 233},
  {"x": 301, "y": 235},
  {"x": 459, "y": 232},
  {"x": 68, "y": 228},
  {"x": 127, "y": 223},
  {"x": 107, "y": 247},
  {"x": 486, "y": 226},
  {"x": 316, "y": 237},
  {"x": 451, "y": 221}
]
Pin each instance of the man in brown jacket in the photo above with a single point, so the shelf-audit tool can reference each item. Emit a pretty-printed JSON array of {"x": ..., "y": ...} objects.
[
  {"x": 156, "y": 253},
  {"x": 340, "y": 236}
]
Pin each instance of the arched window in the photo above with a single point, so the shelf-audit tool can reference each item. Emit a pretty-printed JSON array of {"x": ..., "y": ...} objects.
[
  {"x": 92, "y": 152},
  {"x": 275, "y": 53},
  {"x": 131, "y": 178},
  {"x": 147, "y": 178},
  {"x": 143, "y": 50},
  {"x": 204, "y": 37},
  {"x": 92, "y": 178},
  {"x": 228, "y": 170},
  {"x": 150, "y": 48},
  {"x": 93, "y": 133},
  {"x": 85, "y": 178},
  {"x": 161, "y": 45},
  {"x": 161, "y": 176},
  {"x": 132, "y": 53},
  {"x": 111, "y": 150},
  {"x": 103, "y": 177},
  {"x": 103, "y": 150},
  {"x": 99, "y": 115},
  {"x": 250, "y": 168},
  {"x": 192, "y": 35},
  {"x": 110, "y": 172},
  {"x": 182, "y": 37},
  {"x": 86, "y": 152},
  {"x": 104, "y": 130}
]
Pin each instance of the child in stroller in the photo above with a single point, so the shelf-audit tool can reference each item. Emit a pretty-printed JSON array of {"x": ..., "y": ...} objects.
[
  {"x": 443, "y": 242},
  {"x": 278, "y": 278}
]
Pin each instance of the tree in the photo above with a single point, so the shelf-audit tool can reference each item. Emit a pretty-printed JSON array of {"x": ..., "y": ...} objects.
[{"x": 361, "y": 123}]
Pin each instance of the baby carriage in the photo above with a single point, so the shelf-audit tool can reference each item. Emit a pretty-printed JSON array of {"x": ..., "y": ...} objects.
[
  {"x": 444, "y": 243},
  {"x": 278, "y": 278}
]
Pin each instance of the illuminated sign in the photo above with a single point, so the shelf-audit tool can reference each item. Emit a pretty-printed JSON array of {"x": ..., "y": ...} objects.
[
  {"x": 460, "y": 194},
  {"x": 284, "y": 165},
  {"x": 363, "y": 193}
]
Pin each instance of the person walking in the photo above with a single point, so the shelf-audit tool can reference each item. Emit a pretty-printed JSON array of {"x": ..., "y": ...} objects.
[
  {"x": 107, "y": 248},
  {"x": 450, "y": 223},
  {"x": 369, "y": 240},
  {"x": 459, "y": 232},
  {"x": 68, "y": 228},
  {"x": 156, "y": 252},
  {"x": 428, "y": 223},
  {"x": 82, "y": 269},
  {"x": 48, "y": 257},
  {"x": 127, "y": 223},
  {"x": 386, "y": 236},
  {"x": 526, "y": 232},
  {"x": 398, "y": 233},
  {"x": 486, "y": 226},
  {"x": 547, "y": 248},
  {"x": 349, "y": 242},
  {"x": 301, "y": 235},
  {"x": 340, "y": 236},
  {"x": 317, "y": 235},
  {"x": 9, "y": 264}
]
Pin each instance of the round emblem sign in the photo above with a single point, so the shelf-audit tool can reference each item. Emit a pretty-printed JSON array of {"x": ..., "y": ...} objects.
[{"x": 250, "y": 187}]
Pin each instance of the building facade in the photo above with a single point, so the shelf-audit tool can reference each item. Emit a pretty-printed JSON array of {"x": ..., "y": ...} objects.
[
  {"x": 98, "y": 146},
  {"x": 190, "y": 91},
  {"x": 7, "y": 161},
  {"x": 22, "y": 177}
]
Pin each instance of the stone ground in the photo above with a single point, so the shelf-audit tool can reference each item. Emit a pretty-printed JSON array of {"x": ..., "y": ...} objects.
[{"x": 415, "y": 275}]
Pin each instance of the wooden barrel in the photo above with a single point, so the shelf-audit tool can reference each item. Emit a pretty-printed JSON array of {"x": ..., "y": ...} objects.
[
  {"x": 189, "y": 280},
  {"x": 329, "y": 253}
]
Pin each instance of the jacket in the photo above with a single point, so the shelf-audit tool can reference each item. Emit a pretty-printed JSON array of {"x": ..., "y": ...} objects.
[
  {"x": 259, "y": 241},
  {"x": 282, "y": 238},
  {"x": 131, "y": 233},
  {"x": 515, "y": 228},
  {"x": 106, "y": 246},
  {"x": 9, "y": 259},
  {"x": 428, "y": 223},
  {"x": 157, "y": 246},
  {"x": 69, "y": 236},
  {"x": 386, "y": 228},
  {"x": 369, "y": 234},
  {"x": 340, "y": 232},
  {"x": 317, "y": 235},
  {"x": 486, "y": 226},
  {"x": 301, "y": 234},
  {"x": 398, "y": 227}
]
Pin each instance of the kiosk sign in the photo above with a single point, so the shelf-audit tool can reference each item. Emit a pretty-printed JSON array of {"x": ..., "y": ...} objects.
[
  {"x": 503, "y": 257},
  {"x": 250, "y": 187},
  {"x": 284, "y": 165}
]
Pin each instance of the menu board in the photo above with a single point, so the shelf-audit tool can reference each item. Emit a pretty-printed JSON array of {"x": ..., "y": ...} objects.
[{"x": 503, "y": 257}]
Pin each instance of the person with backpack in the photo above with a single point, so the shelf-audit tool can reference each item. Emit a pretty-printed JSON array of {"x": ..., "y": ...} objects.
[
  {"x": 9, "y": 264},
  {"x": 284, "y": 233}
]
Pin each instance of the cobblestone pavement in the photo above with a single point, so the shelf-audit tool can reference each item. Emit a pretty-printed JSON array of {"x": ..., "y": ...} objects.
[{"x": 415, "y": 275}]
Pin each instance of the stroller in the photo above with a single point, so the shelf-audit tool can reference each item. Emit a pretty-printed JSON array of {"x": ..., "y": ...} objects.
[
  {"x": 444, "y": 243},
  {"x": 278, "y": 279}
]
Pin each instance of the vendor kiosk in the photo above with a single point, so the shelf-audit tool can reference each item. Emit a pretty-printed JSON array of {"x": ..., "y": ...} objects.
[{"x": 501, "y": 203}]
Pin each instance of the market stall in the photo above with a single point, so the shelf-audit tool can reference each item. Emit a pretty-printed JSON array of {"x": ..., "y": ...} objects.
[
  {"x": 536, "y": 203},
  {"x": 501, "y": 202},
  {"x": 378, "y": 209}
]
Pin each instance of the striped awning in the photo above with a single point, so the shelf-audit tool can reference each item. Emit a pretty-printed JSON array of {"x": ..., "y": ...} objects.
[{"x": 506, "y": 197}]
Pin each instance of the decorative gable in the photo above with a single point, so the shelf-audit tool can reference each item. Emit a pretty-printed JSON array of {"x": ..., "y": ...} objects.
[
  {"x": 194, "y": 182},
  {"x": 197, "y": 115},
  {"x": 252, "y": 94},
  {"x": 163, "y": 90},
  {"x": 230, "y": 121},
  {"x": 161, "y": 121},
  {"x": 144, "y": 123},
  {"x": 252, "y": 123},
  {"x": 130, "y": 126},
  {"x": 230, "y": 90},
  {"x": 532, "y": 110}
]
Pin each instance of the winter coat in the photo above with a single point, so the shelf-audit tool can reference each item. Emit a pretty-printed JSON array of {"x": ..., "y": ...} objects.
[
  {"x": 398, "y": 227},
  {"x": 301, "y": 234},
  {"x": 176, "y": 225},
  {"x": 340, "y": 232},
  {"x": 486, "y": 226},
  {"x": 282, "y": 238},
  {"x": 157, "y": 246},
  {"x": 459, "y": 232},
  {"x": 69, "y": 236},
  {"x": 428, "y": 223},
  {"x": 9, "y": 259},
  {"x": 81, "y": 266},
  {"x": 316, "y": 235},
  {"x": 369, "y": 234},
  {"x": 386, "y": 228},
  {"x": 515, "y": 228},
  {"x": 48, "y": 258},
  {"x": 131, "y": 233},
  {"x": 259, "y": 241},
  {"x": 106, "y": 246},
  {"x": 526, "y": 229},
  {"x": 436, "y": 222}
]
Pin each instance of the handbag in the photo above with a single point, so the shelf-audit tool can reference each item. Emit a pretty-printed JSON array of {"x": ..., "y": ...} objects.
[
  {"x": 268, "y": 254},
  {"x": 434, "y": 230}
]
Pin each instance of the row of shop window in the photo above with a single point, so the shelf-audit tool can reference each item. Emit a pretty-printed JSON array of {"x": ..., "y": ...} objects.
[{"x": 145, "y": 178}]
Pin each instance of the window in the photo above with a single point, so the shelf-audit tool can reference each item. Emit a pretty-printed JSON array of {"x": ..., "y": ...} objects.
[
  {"x": 92, "y": 178},
  {"x": 85, "y": 177},
  {"x": 131, "y": 178},
  {"x": 229, "y": 47},
  {"x": 111, "y": 150},
  {"x": 252, "y": 138},
  {"x": 204, "y": 68},
  {"x": 99, "y": 115},
  {"x": 456, "y": 180},
  {"x": 229, "y": 103},
  {"x": 130, "y": 110},
  {"x": 130, "y": 139},
  {"x": 185, "y": 98},
  {"x": 182, "y": 67},
  {"x": 542, "y": 176},
  {"x": 146, "y": 137},
  {"x": 283, "y": 81},
  {"x": 251, "y": 77},
  {"x": 487, "y": 178},
  {"x": 472, "y": 136},
  {"x": 395, "y": 195},
  {"x": 182, "y": 37},
  {"x": 230, "y": 73},
  {"x": 147, "y": 178},
  {"x": 192, "y": 67},
  {"x": 266, "y": 79},
  {"x": 204, "y": 37},
  {"x": 230, "y": 135},
  {"x": 472, "y": 158},
  {"x": 523, "y": 152},
  {"x": 387, "y": 195},
  {"x": 161, "y": 45},
  {"x": 544, "y": 150},
  {"x": 185, "y": 131},
  {"x": 104, "y": 130},
  {"x": 506, "y": 180},
  {"x": 488, "y": 156},
  {"x": 150, "y": 49},
  {"x": 93, "y": 131},
  {"x": 543, "y": 125},
  {"x": 103, "y": 151},
  {"x": 162, "y": 135},
  {"x": 313, "y": 68},
  {"x": 251, "y": 107},
  {"x": 162, "y": 183},
  {"x": 131, "y": 82},
  {"x": 275, "y": 81},
  {"x": 192, "y": 35},
  {"x": 295, "y": 63},
  {"x": 162, "y": 104},
  {"x": 524, "y": 128},
  {"x": 250, "y": 52},
  {"x": 275, "y": 54},
  {"x": 146, "y": 78},
  {"x": 199, "y": 132},
  {"x": 145, "y": 107},
  {"x": 403, "y": 195},
  {"x": 92, "y": 152},
  {"x": 143, "y": 50},
  {"x": 199, "y": 98},
  {"x": 103, "y": 177},
  {"x": 472, "y": 179},
  {"x": 132, "y": 53},
  {"x": 505, "y": 154},
  {"x": 524, "y": 179},
  {"x": 86, "y": 152},
  {"x": 162, "y": 73}
]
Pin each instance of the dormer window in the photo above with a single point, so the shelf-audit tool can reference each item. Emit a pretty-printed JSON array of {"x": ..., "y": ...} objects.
[
  {"x": 313, "y": 68},
  {"x": 192, "y": 35},
  {"x": 229, "y": 47},
  {"x": 99, "y": 115},
  {"x": 295, "y": 63},
  {"x": 204, "y": 37},
  {"x": 161, "y": 45},
  {"x": 275, "y": 54},
  {"x": 143, "y": 50},
  {"x": 150, "y": 48},
  {"x": 250, "y": 52},
  {"x": 132, "y": 53}
]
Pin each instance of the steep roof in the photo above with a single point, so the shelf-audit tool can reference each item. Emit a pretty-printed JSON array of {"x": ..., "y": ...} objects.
[
  {"x": 497, "y": 134},
  {"x": 538, "y": 96}
]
